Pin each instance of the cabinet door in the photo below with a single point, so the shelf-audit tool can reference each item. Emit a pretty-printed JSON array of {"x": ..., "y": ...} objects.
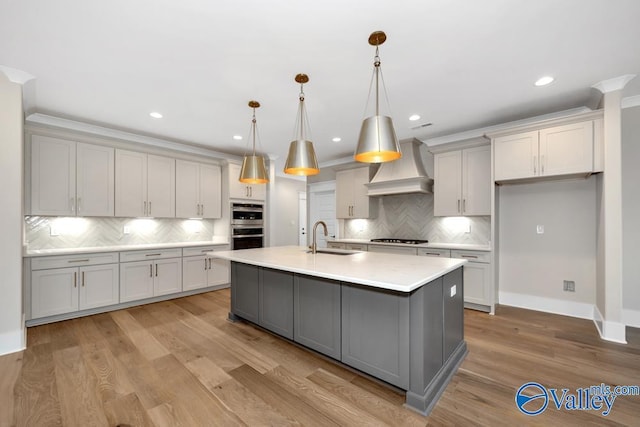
[
  {"x": 95, "y": 181},
  {"x": 99, "y": 286},
  {"x": 187, "y": 189},
  {"x": 476, "y": 181},
  {"x": 237, "y": 189},
  {"x": 245, "y": 291},
  {"x": 316, "y": 314},
  {"x": 566, "y": 149},
  {"x": 477, "y": 284},
  {"x": 452, "y": 294},
  {"x": 375, "y": 333},
  {"x": 516, "y": 156},
  {"x": 276, "y": 302},
  {"x": 161, "y": 187},
  {"x": 194, "y": 272},
  {"x": 401, "y": 250},
  {"x": 53, "y": 176},
  {"x": 211, "y": 191},
  {"x": 54, "y": 291},
  {"x": 257, "y": 191},
  {"x": 219, "y": 272},
  {"x": 447, "y": 197},
  {"x": 344, "y": 194},
  {"x": 136, "y": 280},
  {"x": 360, "y": 198},
  {"x": 167, "y": 276},
  {"x": 131, "y": 183}
]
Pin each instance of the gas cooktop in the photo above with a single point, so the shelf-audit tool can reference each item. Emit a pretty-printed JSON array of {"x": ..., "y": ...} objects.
[{"x": 405, "y": 241}]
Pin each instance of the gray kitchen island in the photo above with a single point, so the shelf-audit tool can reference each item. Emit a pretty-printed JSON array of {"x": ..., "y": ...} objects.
[{"x": 398, "y": 318}]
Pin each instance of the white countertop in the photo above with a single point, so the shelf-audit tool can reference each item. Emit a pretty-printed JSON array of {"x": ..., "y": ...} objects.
[
  {"x": 403, "y": 273},
  {"x": 461, "y": 246},
  {"x": 119, "y": 248}
]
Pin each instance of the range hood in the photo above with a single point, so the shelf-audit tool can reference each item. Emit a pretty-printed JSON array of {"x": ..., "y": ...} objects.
[{"x": 405, "y": 175}]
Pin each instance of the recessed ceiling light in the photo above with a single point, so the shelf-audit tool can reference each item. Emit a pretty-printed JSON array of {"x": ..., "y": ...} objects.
[
  {"x": 543, "y": 81},
  {"x": 155, "y": 115},
  {"x": 237, "y": 137},
  {"x": 414, "y": 117},
  {"x": 337, "y": 139}
]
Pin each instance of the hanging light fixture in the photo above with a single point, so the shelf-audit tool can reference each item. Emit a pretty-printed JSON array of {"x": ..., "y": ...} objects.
[
  {"x": 302, "y": 157},
  {"x": 378, "y": 141},
  {"x": 253, "y": 170}
]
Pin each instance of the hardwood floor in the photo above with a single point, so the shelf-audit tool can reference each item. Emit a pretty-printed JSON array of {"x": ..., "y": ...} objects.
[{"x": 181, "y": 363}]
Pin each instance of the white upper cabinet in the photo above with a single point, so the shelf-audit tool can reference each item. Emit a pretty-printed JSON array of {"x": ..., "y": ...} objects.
[
  {"x": 145, "y": 185},
  {"x": 240, "y": 190},
  {"x": 71, "y": 178},
  {"x": 198, "y": 190},
  {"x": 462, "y": 182},
  {"x": 560, "y": 150},
  {"x": 352, "y": 200}
]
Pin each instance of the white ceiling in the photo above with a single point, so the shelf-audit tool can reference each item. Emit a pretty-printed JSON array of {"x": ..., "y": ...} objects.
[{"x": 460, "y": 64}]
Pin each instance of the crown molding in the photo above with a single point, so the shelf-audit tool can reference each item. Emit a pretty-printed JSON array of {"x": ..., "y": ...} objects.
[
  {"x": 15, "y": 75},
  {"x": 631, "y": 101},
  {"x": 616, "y": 83}
]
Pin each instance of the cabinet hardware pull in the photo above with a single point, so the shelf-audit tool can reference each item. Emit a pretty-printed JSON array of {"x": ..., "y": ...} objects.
[
  {"x": 153, "y": 254},
  {"x": 156, "y": 270},
  {"x": 469, "y": 256},
  {"x": 250, "y": 191},
  {"x": 71, "y": 202},
  {"x": 150, "y": 270},
  {"x": 83, "y": 279},
  {"x": 75, "y": 280},
  {"x": 209, "y": 263},
  {"x": 432, "y": 253},
  {"x": 458, "y": 205},
  {"x": 535, "y": 158},
  {"x": 205, "y": 264},
  {"x": 542, "y": 165},
  {"x": 78, "y": 260},
  {"x": 149, "y": 208},
  {"x": 202, "y": 209},
  {"x": 206, "y": 250},
  {"x": 144, "y": 208},
  {"x": 78, "y": 203},
  {"x": 464, "y": 205}
]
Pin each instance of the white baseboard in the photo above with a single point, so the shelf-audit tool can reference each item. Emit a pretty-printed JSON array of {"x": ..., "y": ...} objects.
[
  {"x": 608, "y": 330},
  {"x": 631, "y": 317},
  {"x": 13, "y": 341},
  {"x": 548, "y": 305}
]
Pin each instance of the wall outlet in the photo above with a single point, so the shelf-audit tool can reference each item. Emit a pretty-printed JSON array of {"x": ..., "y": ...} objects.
[
  {"x": 453, "y": 291},
  {"x": 540, "y": 229},
  {"x": 53, "y": 230},
  {"x": 126, "y": 230},
  {"x": 569, "y": 286}
]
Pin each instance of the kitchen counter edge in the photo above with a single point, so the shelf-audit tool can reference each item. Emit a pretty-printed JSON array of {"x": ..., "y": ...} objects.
[{"x": 118, "y": 248}]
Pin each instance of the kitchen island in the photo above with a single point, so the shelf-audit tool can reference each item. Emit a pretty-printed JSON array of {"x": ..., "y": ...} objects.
[{"x": 398, "y": 318}]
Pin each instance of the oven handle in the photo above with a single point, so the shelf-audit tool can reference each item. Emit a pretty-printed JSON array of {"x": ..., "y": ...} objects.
[
  {"x": 243, "y": 209},
  {"x": 244, "y": 236},
  {"x": 245, "y": 226}
]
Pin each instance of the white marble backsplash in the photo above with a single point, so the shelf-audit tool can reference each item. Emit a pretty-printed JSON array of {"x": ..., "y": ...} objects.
[
  {"x": 82, "y": 232},
  {"x": 410, "y": 216}
]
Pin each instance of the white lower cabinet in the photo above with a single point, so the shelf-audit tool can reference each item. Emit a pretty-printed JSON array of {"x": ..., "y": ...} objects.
[
  {"x": 62, "y": 290},
  {"x": 201, "y": 271},
  {"x": 146, "y": 274},
  {"x": 402, "y": 250},
  {"x": 476, "y": 276}
]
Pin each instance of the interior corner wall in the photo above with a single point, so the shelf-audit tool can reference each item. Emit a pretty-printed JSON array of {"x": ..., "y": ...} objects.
[
  {"x": 12, "y": 337},
  {"x": 533, "y": 266},
  {"x": 284, "y": 209},
  {"x": 631, "y": 215}
]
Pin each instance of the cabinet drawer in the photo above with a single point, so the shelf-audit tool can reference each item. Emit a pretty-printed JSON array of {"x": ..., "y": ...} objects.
[
  {"x": 150, "y": 254},
  {"x": 42, "y": 263},
  {"x": 402, "y": 250},
  {"x": 355, "y": 247},
  {"x": 335, "y": 245},
  {"x": 472, "y": 256},
  {"x": 201, "y": 250},
  {"x": 442, "y": 253}
]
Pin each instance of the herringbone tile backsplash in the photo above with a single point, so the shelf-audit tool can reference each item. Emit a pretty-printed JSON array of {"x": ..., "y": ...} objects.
[
  {"x": 410, "y": 216},
  {"x": 95, "y": 232}
]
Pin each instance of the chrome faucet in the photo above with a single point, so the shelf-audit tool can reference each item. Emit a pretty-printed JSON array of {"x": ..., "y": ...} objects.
[{"x": 314, "y": 245}]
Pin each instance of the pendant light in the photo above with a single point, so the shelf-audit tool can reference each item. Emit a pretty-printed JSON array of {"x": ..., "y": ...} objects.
[
  {"x": 253, "y": 170},
  {"x": 302, "y": 157},
  {"x": 378, "y": 141}
]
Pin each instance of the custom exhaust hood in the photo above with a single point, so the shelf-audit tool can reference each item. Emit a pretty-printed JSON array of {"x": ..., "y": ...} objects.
[{"x": 405, "y": 175}]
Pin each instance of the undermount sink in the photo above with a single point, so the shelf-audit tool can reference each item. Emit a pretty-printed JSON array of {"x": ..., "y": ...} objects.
[{"x": 335, "y": 251}]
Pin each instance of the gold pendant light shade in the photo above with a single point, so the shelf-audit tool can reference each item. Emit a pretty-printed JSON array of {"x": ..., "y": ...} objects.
[
  {"x": 378, "y": 142},
  {"x": 253, "y": 169},
  {"x": 302, "y": 157}
]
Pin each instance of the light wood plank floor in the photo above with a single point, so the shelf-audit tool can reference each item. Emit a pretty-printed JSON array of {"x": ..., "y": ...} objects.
[{"x": 181, "y": 363}]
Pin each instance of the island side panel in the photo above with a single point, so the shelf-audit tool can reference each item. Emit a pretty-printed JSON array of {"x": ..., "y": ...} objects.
[
  {"x": 375, "y": 332},
  {"x": 453, "y": 301},
  {"x": 276, "y": 302},
  {"x": 316, "y": 314},
  {"x": 245, "y": 297}
]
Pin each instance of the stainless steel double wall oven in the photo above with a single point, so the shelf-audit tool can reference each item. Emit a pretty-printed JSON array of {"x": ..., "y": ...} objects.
[{"x": 247, "y": 225}]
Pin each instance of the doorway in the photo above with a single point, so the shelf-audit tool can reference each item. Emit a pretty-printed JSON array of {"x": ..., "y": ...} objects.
[
  {"x": 302, "y": 219},
  {"x": 322, "y": 207}
]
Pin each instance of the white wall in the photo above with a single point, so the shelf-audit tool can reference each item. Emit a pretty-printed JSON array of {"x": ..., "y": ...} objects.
[
  {"x": 284, "y": 211},
  {"x": 631, "y": 215},
  {"x": 533, "y": 266},
  {"x": 11, "y": 167}
]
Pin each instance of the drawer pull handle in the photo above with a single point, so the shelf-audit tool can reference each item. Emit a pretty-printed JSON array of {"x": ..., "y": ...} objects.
[
  {"x": 75, "y": 280},
  {"x": 206, "y": 250},
  {"x": 153, "y": 254},
  {"x": 209, "y": 263},
  {"x": 156, "y": 270},
  {"x": 78, "y": 260},
  {"x": 83, "y": 279},
  {"x": 469, "y": 256},
  {"x": 432, "y": 253},
  {"x": 150, "y": 270},
  {"x": 205, "y": 264}
]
